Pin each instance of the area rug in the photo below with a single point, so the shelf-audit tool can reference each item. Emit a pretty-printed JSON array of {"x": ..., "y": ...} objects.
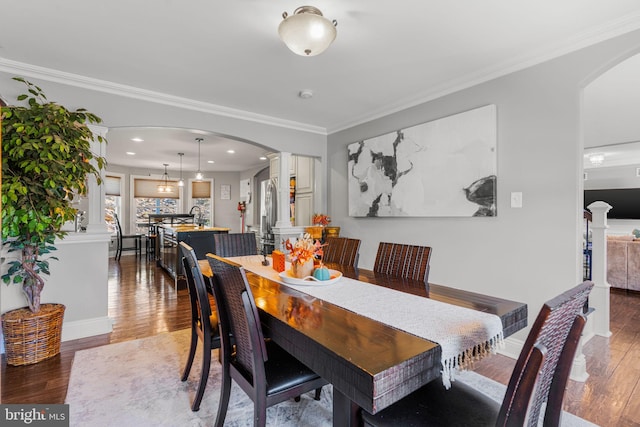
[{"x": 137, "y": 383}]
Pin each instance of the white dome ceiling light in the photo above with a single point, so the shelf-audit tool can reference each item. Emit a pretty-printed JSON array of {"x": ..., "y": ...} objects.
[{"x": 307, "y": 32}]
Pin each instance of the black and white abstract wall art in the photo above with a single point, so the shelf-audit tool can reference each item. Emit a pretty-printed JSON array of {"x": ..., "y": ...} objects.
[{"x": 442, "y": 168}]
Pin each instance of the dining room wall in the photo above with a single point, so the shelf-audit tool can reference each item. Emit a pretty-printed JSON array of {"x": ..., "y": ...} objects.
[{"x": 528, "y": 254}]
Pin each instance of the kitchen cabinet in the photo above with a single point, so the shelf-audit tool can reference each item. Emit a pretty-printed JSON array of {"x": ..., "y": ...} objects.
[
  {"x": 304, "y": 208},
  {"x": 302, "y": 168},
  {"x": 169, "y": 238},
  {"x": 304, "y": 174}
]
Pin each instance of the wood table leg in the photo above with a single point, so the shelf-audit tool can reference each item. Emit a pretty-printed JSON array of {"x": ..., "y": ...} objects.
[{"x": 345, "y": 412}]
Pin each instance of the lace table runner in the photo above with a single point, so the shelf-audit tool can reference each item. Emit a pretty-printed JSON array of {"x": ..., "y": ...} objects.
[{"x": 463, "y": 334}]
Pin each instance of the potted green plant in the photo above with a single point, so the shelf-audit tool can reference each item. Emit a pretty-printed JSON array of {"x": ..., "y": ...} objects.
[{"x": 46, "y": 159}]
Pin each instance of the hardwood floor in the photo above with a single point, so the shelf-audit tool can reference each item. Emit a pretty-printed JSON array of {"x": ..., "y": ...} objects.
[
  {"x": 611, "y": 394},
  {"x": 142, "y": 302}
]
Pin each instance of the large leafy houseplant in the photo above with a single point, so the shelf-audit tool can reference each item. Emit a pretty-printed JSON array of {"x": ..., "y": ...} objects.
[{"x": 46, "y": 159}]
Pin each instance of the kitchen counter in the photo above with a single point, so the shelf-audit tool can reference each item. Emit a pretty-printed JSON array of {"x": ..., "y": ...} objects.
[
  {"x": 184, "y": 228},
  {"x": 169, "y": 238}
]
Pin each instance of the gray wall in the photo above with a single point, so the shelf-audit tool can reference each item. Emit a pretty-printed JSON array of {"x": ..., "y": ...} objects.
[{"x": 528, "y": 254}]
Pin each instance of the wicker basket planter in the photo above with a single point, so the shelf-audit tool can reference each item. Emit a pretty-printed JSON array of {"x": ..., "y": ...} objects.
[{"x": 32, "y": 337}]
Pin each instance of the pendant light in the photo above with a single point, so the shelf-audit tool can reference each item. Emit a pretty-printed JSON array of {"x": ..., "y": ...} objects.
[
  {"x": 165, "y": 187},
  {"x": 181, "y": 182},
  {"x": 199, "y": 174}
]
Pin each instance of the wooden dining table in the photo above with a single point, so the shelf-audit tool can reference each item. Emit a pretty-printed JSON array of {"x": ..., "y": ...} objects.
[{"x": 370, "y": 364}]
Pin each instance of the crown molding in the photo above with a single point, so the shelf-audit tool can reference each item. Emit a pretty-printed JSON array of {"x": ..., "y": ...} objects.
[
  {"x": 587, "y": 38},
  {"x": 76, "y": 80},
  {"x": 595, "y": 35}
]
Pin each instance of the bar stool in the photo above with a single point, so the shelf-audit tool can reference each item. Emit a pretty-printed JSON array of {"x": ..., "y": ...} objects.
[{"x": 152, "y": 238}]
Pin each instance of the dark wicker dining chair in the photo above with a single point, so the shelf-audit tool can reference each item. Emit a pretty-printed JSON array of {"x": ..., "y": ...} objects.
[
  {"x": 235, "y": 244},
  {"x": 204, "y": 322},
  {"x": 267, "y": 373},
  {"x": 342, "y": 250},
  {"x": 540, "y": 375},
  {"x": 405, "y": 261}
]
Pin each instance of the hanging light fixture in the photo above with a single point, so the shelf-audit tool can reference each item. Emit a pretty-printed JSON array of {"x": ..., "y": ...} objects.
[
  {"x": 307, "y": 32},
  {"x": 181, "y": 182},
  {"x": 199, "y": 174},
  {"x": 165, "y": 187}
]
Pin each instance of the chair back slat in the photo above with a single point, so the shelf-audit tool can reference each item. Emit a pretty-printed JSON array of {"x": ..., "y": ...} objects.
[
  {"x": 197, "y": 289},
  {"x": 553, "y": 410},
  {"x": 341, "y": 250},
  {"x": 405, "y": 261},
  {"x": 235, "y": 244},
  {"x": 551, "y": 330},
  {"x": 230, "y": 282}
]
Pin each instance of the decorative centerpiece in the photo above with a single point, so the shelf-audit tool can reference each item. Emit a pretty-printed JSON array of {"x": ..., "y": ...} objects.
[
  {"x": 302, "y": 254},
  {"x": 319, "y": 221}
]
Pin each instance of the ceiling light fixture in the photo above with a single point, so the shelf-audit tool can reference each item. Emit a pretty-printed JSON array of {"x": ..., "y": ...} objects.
[
  {"x": 307, "y": 32},
  {"x": 181, "y": 182},
  {"x": 165, "y": 187},
  {"x": 199, "y": 173}
]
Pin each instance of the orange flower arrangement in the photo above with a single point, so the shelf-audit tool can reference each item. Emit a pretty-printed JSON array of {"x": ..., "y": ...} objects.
[
  {"x": 304, "y": 249},
  {"x": 320, "y": 219}
]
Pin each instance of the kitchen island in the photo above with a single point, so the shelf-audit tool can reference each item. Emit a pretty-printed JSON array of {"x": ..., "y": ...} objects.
[{"x": 199, "y": 238}]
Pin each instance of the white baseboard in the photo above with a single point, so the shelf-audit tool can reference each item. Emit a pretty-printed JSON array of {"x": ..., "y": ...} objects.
[
  {"x": 86, "y": 328},
  {"x": 512, "y": 348}
]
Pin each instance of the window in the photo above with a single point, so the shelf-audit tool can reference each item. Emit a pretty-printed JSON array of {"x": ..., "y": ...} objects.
[
  {"x": 148, "y": 200},
  {"x": 202, "y": 197},
  {"x": 112, "y": 200}
]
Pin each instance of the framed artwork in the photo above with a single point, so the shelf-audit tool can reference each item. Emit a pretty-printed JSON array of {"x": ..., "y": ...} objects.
[
  {"x": 225, "y": 192},
  {"x": 442, "y": 168}
]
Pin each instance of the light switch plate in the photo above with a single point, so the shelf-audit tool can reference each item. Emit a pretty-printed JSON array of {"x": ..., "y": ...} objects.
[{"x": 516, "y": 199}]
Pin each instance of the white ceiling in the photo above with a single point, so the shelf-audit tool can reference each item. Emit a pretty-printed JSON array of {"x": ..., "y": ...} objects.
[
  {"x": 227, "y": 57},
  {"x": 610, "y": 115}
]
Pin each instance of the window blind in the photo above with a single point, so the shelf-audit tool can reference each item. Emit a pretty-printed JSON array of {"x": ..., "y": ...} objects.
[
  {"x": 112, "y": 185},
  {"x": 143, "y": 187},
  {"x": 201, "y": 189}
]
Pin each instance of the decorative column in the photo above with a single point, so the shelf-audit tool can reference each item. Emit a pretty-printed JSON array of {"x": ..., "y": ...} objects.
[
  {"x": 599, "y": 298},
  {"x": 283, "y": 229},
  {"x": 284, "y": 213},
  {"x": 598, "y": 320},
  {"x": 96, "y": 193}
]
